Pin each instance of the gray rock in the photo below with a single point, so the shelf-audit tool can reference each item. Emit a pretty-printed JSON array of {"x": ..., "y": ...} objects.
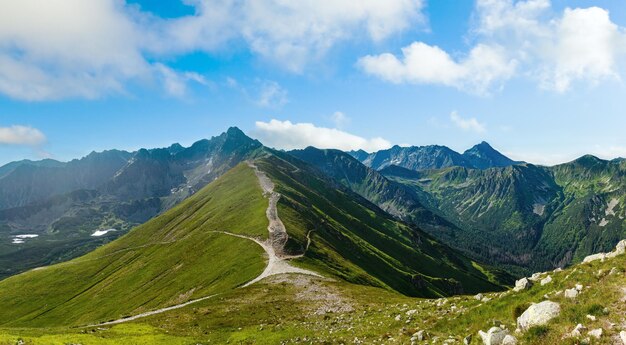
[
  {"x": 622, "y": 336},
  {"x": 546, "y": 280},
  {"x": 522, "y": 284},
  {"x": 571, "y": 293},
  {"x": 467, "y": 340},
  {"x": 494, "y": 336},
  {"x": 596, "y": 333},
  {"x": 594, "y": 257},
  {"x": 509, "y": 340},
  {"x": 578, "y": 331},
  {"x": 538, "y": 314}
]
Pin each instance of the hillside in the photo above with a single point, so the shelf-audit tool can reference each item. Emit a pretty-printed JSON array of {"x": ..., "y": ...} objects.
[
  {"x": 66, "y": 204},
  {"x": 582, "y": 304},
  {"x": 525, "y": 216},
  {"x": 214, "y": 241}
]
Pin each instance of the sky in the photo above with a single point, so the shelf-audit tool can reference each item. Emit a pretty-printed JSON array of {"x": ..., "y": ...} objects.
[{"x": 541, "y": 81}]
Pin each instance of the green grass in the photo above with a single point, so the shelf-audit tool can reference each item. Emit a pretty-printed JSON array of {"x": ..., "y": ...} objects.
[
  {"x": 168, "y": 260},
  {"x": 356, "y": 241}
]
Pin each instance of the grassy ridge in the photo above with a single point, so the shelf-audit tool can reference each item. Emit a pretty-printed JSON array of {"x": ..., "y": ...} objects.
[
  {"x": 356, "y": 241},
  {"x": 168, "y": 260}
]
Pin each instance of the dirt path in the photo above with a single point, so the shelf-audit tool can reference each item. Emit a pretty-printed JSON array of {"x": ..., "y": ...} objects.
[{"x": 278, "y": 262}]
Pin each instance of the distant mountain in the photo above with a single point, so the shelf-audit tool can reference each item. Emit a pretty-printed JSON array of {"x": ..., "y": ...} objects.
[
  {"x": 528, "y": 216},
  {"x": 32, "y": 182},
  {"x": 8, "y": 168},
  {"x": 66, "y": 202},
  {"x": 395, "y": 198},
  {"x": 481, "y": 156}
]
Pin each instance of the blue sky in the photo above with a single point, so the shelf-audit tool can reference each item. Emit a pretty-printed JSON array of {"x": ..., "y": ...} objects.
[{"x": 540, "y": 80}]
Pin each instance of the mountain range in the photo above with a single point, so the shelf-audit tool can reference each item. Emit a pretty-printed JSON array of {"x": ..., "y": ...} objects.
[
  {"x": 509, "y": 214},
  {"x": 168, "y": 245}
]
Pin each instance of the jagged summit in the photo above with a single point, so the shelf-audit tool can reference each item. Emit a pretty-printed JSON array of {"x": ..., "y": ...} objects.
[{"x": 483, "y": 156}]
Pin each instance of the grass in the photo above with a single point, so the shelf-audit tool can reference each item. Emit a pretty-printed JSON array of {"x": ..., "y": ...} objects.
[
  {"x": 168, "y": 260},
  {"x": 297, "y": 309},
  {"x": 356, "y": 241}
]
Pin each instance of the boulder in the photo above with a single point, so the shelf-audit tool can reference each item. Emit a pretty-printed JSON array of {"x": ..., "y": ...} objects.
[
  {"x": 594, "y": 257},
  {"x": 620, "y": 248},
  {"x": 494, "y": 336},
  {"x": 579, "y": 287},
  {"x": 622, "y": 336},
  {"x": 522, "y": 284},
  {"x": 596, "y": 333},
  {"x": 538, "y": 314},
  {"x": 571, "y": 293},
  {"x": 509, "y": 340},
  {"x": 478, "y": 297},
  {"x": 467, "y": 340},
  {"x": 546, "y": 280}
]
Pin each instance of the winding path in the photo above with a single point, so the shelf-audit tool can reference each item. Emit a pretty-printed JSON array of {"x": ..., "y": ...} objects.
[{"x": 278, "y": 261}]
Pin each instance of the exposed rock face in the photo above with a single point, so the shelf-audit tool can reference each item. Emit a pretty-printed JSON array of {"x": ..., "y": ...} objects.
[
  {"x": 594, "y": 257},
  {"x": 538, "y": 314},
  {"x": 522, "y": 284},
  {"x": 495, "y": 336},
  {"x": 622, "y": 336}
]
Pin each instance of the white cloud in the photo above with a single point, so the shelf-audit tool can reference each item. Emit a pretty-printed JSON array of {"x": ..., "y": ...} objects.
[
  {"x": 59, "y": 49},
  {"x": 67, "y": 48},
  {"x": 21, "y": 135},
  {"x": 425, "y": 64},
  {"x": 516, "y": 39},
  {"x": 271, "y": 95},
  {"x": 585, "y": 47},
  {"x": 339, "y": 119},
  {"x": 175, "y": 83},
  {"x": 263, "y": 93},
  {"x": 287, "y": 135},
  {"x": 470, "y": 124}
]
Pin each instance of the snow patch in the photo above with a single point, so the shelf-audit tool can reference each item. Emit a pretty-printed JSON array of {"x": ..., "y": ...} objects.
[
  {"x": 99, "y": 233},
  {"x": 19, "y": 239}
]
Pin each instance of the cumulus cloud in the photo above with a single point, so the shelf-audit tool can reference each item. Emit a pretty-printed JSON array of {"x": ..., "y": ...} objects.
[
  {"x": 89, "y": 49},
  {"x": 287, "y": 135},
  {"x": 516, "y": 38},
  {"x": 21, "y": 135},
  {"x": 425, "y": 64},
  {"x": 470, "y": 124}
]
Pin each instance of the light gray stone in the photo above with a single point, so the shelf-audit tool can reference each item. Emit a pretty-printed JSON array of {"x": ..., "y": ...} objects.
[{"x": 538, "y": 314}]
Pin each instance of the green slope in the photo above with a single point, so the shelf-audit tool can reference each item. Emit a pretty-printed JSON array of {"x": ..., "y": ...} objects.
[
  {"x": 526, "y": 217},
  {"x": 171, "y": 259},
  {"x": 353, "y": 239}
]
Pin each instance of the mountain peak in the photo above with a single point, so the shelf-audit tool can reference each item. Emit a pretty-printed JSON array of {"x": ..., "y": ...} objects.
[{"x": 483, "y": 156}]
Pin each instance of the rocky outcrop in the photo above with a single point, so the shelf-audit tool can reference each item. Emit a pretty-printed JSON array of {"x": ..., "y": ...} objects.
[{"x": 538, "y": 314}]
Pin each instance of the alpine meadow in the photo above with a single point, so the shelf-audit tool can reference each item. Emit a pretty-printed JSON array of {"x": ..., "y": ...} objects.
[{"x": 196, "y": 172}]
